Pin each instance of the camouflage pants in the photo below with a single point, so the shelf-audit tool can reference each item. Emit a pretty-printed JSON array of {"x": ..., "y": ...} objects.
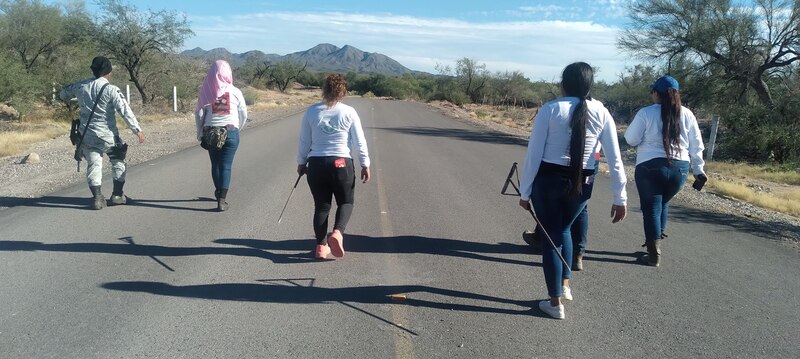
[{"x": 94, "y": 165}]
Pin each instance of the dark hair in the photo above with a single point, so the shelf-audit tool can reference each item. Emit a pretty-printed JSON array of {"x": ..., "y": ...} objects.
[
  {"x": 334, "y": 89},
  {"x": 101, "y": 66},
  {"x": 576, "y": 81},
  {"x": 670, "y": 121}
]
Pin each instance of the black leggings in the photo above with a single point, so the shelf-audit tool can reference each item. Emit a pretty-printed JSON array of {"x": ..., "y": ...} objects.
[{"x": 331, "y": 176}]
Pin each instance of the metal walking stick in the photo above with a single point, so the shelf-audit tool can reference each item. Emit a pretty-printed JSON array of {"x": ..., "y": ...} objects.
[
  {"x": 290, "y": 197},
  {"x": 552, "y": 244},
  {"x": 510, "y": 181}
]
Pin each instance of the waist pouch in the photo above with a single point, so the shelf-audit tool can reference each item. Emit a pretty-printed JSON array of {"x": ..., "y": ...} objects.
[
  {"x": 214, "y": 137},
  {"x": 74, "y": 132},
  {"x": 119, "y": 151}
]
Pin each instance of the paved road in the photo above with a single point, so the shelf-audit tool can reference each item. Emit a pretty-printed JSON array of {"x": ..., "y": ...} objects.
[{"x": 168, "y": 278}]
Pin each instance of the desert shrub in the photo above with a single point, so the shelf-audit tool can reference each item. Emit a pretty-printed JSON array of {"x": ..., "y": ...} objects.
[
  {"x": 758, "y": 133},
  {"x": 251, "y": 96}
]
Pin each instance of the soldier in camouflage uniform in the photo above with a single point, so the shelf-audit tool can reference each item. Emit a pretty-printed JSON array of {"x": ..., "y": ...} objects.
[{"x": 102, "y": 136}]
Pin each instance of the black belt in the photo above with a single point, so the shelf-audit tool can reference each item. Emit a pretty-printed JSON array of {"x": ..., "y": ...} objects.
[{"x": 548, "y": 168}]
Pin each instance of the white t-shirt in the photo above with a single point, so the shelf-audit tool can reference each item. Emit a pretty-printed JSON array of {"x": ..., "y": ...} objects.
[
  {"x": 550, "y": 142},
  {"x": 228, "y": 110},
  {"x": 331, "y": 131},
  {"x": 645, "y": 133}
]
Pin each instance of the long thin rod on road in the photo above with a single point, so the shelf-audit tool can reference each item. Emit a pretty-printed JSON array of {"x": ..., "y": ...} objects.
[
  {"x": 530, "y": 210},
  {"x": 290, "y": 197}
]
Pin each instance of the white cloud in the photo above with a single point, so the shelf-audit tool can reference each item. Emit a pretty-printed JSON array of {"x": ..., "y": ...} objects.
[{"x": 538, "y": 48}]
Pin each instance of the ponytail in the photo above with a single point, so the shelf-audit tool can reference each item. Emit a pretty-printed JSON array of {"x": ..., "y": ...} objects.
[
  {"x": 671, "y": 122},
  {"x": 577, "y": 143},
  {"x": 576, "y": 81}
]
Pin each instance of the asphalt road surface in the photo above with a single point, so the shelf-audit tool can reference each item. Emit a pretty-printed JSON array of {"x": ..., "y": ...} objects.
[{"x": 167, "y": 277}]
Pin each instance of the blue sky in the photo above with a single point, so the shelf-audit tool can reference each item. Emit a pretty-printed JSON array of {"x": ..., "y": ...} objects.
[{"x": 536, "y": 37}]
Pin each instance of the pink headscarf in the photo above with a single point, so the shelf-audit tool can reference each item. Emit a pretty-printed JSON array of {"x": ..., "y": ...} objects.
[{"x": 219, "y": 77}]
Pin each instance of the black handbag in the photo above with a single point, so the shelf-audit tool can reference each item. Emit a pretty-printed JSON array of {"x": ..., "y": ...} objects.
[{"x": 214, "y": 137}]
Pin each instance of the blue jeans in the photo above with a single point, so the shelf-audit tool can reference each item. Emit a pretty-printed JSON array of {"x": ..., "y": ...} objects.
[
  {"x": 580, "y": 228},
  {"x": 222, "y": 160},
  {"x": 557, "y": 210},
  {"x": 657, "y": 182},
  {"x": 580, "y": 231}
]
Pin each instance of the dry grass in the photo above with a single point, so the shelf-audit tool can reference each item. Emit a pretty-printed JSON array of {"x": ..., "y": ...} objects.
[
  {"x": 46, "y": 122},
  {"x": 788, "y": 202},
  {"x": 514, "y": 117},
  {"x": 14, "y": 142},
  {"x": 746, "y": 171}
]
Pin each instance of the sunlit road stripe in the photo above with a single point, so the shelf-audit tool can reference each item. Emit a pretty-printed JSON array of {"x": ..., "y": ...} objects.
[{"x": 403, "y": 346}]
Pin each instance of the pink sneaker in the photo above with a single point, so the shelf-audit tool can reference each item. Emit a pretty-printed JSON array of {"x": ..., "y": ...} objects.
[
  {"x": 336, "y": 242},
  {"x": 322, "y": 251}
]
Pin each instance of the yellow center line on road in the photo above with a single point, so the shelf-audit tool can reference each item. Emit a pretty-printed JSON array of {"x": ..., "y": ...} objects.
[{"x": 403, "y": 346}]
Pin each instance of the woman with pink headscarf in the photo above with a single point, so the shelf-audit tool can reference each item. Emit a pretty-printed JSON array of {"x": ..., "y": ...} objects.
[{"x": 220, "y": 109}]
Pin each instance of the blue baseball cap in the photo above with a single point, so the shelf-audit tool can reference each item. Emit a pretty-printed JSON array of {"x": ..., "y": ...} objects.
[{"x": 665, "y": 83}]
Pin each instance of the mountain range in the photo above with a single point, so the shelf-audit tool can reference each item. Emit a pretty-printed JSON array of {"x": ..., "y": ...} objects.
[{"x": 323, "y": 57}]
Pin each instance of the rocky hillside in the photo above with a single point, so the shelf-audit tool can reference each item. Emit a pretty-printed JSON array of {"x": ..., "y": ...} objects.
[{"x": 323, "y": 57}]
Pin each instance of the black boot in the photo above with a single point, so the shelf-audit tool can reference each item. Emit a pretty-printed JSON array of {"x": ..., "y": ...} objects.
[
  {"x": 118, "y": 197},
  {"x": 577, "y": 264},
  {"x": 653, "y": 256},
  {"x": 98, "y": 201},
  {"x": 222, "y": 204}
]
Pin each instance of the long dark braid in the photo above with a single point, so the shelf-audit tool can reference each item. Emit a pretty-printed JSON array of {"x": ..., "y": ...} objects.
[
  {"x": 671, "y": 122},
  {"x": 576, "y": 80}
]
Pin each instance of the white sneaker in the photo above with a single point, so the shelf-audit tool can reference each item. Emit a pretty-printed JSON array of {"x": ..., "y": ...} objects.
[
  {"x": 555, "y": 312},
  {"x": 567, "y": 293}
]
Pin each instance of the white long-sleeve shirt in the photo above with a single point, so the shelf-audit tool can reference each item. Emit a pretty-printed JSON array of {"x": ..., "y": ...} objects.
[
  {"x": 550, "y": 142},
  {"x": 331, "y": 132},
  {"x": 645, "y": 133},
  {"x": 228, "y": 110}
]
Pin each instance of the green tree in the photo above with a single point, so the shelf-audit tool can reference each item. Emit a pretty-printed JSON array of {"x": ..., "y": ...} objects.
[
  {"x": 471, "y": 77},
  {"x": 136, "y": 39},
  {"x": 511, "y": 87},
  {"x": 283, "y": 73},
  {"x": 311, "y": 78},
  {"x": 630, "y": 93},
  {"x": 31, "y": 29},
  {"x": 14, "y": 83},
  {"x": 253, "y": 72},
  {"x": 446, "y": 87},
  {"x": 749, "y": 44}
]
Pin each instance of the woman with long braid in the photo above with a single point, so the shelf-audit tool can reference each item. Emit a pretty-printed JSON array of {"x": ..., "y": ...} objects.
[
  {"x": 667, "y": 137},
  {"x": 558, "y": 175}
]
